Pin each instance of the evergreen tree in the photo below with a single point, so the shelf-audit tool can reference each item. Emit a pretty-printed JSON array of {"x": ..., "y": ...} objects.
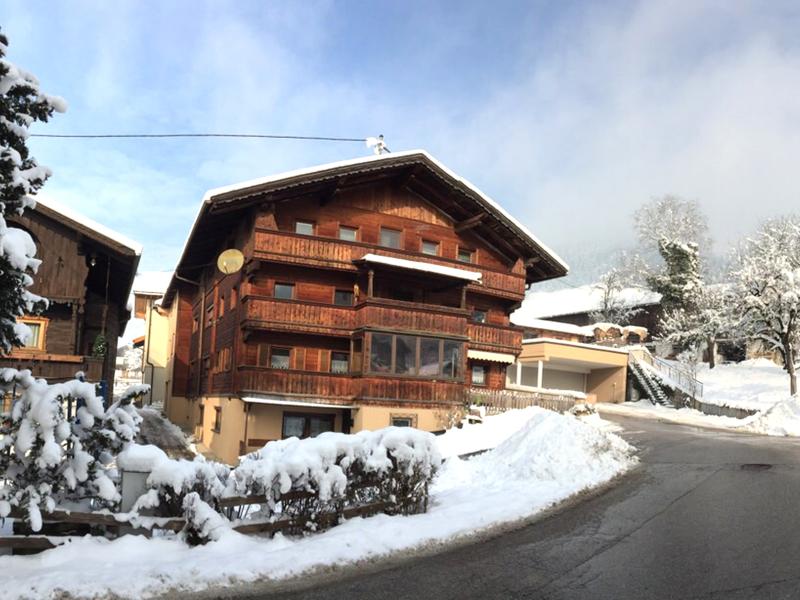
[
  {"x": 679, "y": 282},
  {"x": 21, "y": 104}
]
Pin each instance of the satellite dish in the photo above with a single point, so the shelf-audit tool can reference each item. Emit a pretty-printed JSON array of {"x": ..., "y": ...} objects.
[{"x": 230, "y": 261}]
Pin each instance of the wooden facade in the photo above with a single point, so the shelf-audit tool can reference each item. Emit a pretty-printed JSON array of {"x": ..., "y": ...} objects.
[
  {"x": 86, "y": 274},
  {"x": 311, "y": 318}
]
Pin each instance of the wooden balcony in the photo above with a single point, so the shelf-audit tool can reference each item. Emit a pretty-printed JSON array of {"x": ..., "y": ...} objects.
[
  {"x": 495, "y": 338},
  {"x": 334, "y": 388},
  {"x": 314, "y": 251},
  {"x": 384, "y": 389},
  {"x": 54, "y": 367},
  {"x": 411, "y": 317},
  {"x": 297, "y": 316}
]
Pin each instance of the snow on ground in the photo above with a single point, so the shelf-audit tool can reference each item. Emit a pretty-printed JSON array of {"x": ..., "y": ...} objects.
[
  {"x": 549, "y": 458},
  {"x": 754, "y": 384},
  {"x": 685, "y": 416}
]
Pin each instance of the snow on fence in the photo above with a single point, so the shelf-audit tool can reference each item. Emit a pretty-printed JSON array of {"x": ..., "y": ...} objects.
[{"x": 293, "y": 486}]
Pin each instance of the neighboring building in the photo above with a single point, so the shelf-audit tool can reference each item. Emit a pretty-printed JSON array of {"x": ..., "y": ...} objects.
[
  {"x": 128, "y": 366},
  {"x": 148, "y": 289},
  {"x": 86, "y": 274},
  {"x": 565, "y": 357},
  {"x": 575, "y": 305},
  {"x": 374, "y": 292}
]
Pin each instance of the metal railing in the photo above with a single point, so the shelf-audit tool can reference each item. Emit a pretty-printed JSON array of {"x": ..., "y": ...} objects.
[{"x": 681, "y": 378}]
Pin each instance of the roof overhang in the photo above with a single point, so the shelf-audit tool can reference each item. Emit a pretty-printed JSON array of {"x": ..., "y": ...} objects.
[{"x": 416, "y": 170}]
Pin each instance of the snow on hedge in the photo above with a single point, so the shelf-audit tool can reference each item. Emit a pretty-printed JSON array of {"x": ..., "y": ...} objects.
[{"x": 550, "y": 458}]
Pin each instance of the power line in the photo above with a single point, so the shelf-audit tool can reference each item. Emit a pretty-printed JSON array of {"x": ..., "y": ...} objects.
[{"x": 198, "y": 135}]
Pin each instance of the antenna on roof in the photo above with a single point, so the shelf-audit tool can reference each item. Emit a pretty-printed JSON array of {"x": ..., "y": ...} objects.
[{"x": 377, "y": 144}]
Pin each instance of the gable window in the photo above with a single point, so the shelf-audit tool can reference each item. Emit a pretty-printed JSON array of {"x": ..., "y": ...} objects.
[
  {"x": 478, "y": 375},
  {"x": 349, "y": 234},
  {"x": 339, "y": 362},
  {"x": 390, "y": 238},
  {"x": 304, "y": 227},
  {"x": 465, "y": 255},
  {"x": 479, "y": 315},
  {"x": 217, "y": 419},
  {"x": 284, "y": 291},
  {"x": 36, "y": 335},
  {"x": 280, "y": 358},
  {"x": 343, "y": 297},
  {"x": 430, "y": 248}
]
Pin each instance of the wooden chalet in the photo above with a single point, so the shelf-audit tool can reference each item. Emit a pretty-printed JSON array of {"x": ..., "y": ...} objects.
[
  {"x": 86, "y": 274},
  {"x": 374, "y": 292}
]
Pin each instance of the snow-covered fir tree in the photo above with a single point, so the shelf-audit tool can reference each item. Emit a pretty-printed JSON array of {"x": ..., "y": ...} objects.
[
  {"x": 767, "y": 289},
  {"x": 21, "y": 104},
  {"x": 679, "y": 282}
]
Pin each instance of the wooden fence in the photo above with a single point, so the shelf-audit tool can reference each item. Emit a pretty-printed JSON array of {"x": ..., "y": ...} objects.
[{"x": 498, "y": 401}]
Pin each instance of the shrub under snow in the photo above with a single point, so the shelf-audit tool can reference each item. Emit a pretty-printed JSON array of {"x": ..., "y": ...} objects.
[{"x": 46, "y": 458}]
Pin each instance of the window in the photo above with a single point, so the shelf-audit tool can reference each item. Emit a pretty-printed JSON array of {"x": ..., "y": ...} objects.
[
  {"x": 339, "y": 362},
  {"x": 478, "y": 375},
  {"x": 431, "y": 248},
  {"x": 405, "y": 355},
  {"x": 402, "y": 421},
  {"x": 304, "y": 227},
  {"x": 429, "y": 357},
  {"x": 284, "y": 291},
  {"x": 304, "y": 425},
  {"x": 380, "y": 356},
  {"x": 217, "y": 419},
  {"x": 209, "y": 314},
  {"x": 200, "y": 416},
  {"x": 451, "y": 362},
  {"x": 343, "y": 297},
  {"x": 390, "y": 238},
  {"x": 465, "y": 254},
  {"x": 349, "y": 234},
  {"x": 280, "y": 358},
  {"x": 410, "y": 355},
  {"x": 37, "y": 329},
  {"x": 221, "y": 306},
  {"x": 479, "y": 315}
]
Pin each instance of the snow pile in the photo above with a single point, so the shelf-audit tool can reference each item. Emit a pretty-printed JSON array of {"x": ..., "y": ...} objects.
[
  {"x": 782, "y": 419},
  {"x": 475, "y": 437},
  {"x": 550, "y": 458}
]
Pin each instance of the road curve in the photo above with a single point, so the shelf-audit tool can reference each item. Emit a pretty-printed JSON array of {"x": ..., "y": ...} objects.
[{"x": 709, "y": 515}]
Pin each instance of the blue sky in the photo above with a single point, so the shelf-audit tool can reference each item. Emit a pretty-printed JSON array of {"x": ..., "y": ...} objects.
[{"x": 571, "y": 114}]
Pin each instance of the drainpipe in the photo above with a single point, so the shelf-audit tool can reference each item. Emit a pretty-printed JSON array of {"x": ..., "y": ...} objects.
[{"x": 147, "y": 345}]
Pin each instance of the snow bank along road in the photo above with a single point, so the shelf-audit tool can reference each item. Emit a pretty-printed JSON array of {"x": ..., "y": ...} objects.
[{"x": 709, "y": 514}]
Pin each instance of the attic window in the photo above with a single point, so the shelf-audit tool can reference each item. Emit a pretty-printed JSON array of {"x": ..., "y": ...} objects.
[
  {"x": 390, "y": 238},
  {"x": 465, "y": 255},
  {"x": 304, "y": 227}
]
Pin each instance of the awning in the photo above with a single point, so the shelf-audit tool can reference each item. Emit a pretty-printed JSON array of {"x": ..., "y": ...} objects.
[
  {"x": 491, "y": 356},
  {"x": 284, "y": 402},
  {"x": 416, "y": 265}
]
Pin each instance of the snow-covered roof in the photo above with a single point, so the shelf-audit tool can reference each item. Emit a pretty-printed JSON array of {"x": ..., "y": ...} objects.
[
  {"x": 551, "y": 266},
  {"x": 210, "y": 194},
  {"x": 548, "y": 340},
  {"x": 570, "y": 301},
  {"x": 80, "y": 219},
  {"x": 152, "y": 283},
  {"x": 557, "y": 326},
  {"x": 416, "y": 265}
]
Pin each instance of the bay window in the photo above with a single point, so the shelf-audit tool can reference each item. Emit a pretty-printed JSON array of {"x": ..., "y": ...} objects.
[{"x": 411, "y": 355}]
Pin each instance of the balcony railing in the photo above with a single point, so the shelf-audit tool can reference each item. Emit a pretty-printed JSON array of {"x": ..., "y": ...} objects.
[
  {"x": 409, "y": 390},
  {"x": 494, "y": 338},
  {"x": 328, "y": 386},
  {"x": 55, "y": 367},
  {"x": 298, "y": 316},
  {"x": 322, "y": 252},
  {"x": 411, "y": 317}
]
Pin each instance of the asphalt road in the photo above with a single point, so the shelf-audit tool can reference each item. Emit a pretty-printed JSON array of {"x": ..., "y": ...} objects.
[{"x": 708, "y": 515}]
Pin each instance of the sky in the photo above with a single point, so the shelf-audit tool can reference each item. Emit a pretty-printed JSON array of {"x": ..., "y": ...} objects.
[{"x": 570, "y": 114}]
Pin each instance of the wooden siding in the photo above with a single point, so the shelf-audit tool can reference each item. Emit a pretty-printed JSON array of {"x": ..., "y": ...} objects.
[{"x": 495, "y": 338}]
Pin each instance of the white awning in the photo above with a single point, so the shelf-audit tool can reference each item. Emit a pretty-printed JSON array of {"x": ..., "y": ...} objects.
[
  {"x": 417, "y": 265},
  {"x": 284, "y": 402},
  {"x": 491, "y": 356}
]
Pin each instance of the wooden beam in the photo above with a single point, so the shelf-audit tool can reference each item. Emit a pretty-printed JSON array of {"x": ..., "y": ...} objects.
[{"x": 470, "y": 222}]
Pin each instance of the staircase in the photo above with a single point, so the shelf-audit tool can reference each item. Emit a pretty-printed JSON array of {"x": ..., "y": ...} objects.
[{"x": 660, "y": 379}]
